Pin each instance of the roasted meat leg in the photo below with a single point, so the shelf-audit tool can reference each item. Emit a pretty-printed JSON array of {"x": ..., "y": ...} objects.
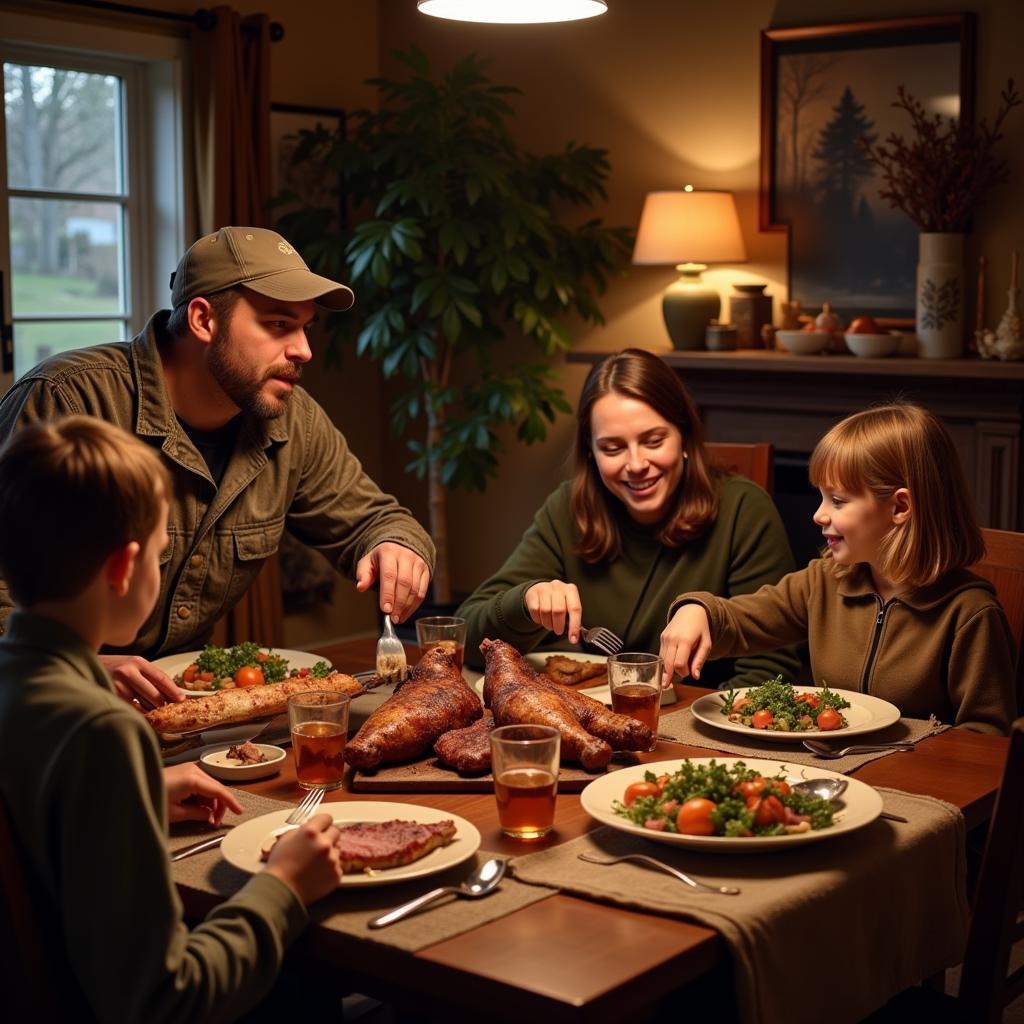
[{"x": 469, "y": 749}]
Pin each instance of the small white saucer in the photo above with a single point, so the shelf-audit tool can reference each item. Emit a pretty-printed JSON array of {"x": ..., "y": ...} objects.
[{"x": 217, "y": 763}]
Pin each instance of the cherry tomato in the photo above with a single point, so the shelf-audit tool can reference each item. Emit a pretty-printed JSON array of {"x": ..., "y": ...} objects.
[
  {"x": 762, "y": 719},
  {"x": 780, "y": 787},
  {"x": 249, "y": 677},
  {"x": 206, "y": 677},
  {"x": 767, "y": 810},
  {"x": 810, "y": 699},
  {"x": 637, "y": 790},
  {"x": 829, "y": 719},
  {"x": 661, "y": 781},
  {"x": 694, "y": 818},
  {"x": 751, "y": 788},
  {"x": 189, "y": 674},
  {"x": 303, "y": 672},
  {"x": 261, "y": 657}
]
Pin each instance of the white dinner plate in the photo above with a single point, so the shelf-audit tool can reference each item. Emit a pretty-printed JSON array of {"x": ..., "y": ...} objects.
[
  {"x": 538, "y": 659},
  {"x": 241, "y": 846},
  {"x": 865, "y": 714},
  {"x": 857, "y": 807},
  {"x": 175, "y": 664}
]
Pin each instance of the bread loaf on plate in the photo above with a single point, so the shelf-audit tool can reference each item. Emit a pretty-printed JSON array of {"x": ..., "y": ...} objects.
[{"x": 228, "y": 707}]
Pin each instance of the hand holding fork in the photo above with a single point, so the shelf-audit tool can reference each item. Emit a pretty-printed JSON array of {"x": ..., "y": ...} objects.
[{"x": 556, "y": 606}]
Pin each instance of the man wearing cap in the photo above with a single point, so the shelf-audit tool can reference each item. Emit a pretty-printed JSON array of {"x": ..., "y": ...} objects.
[{"x": 212, "y": 383}]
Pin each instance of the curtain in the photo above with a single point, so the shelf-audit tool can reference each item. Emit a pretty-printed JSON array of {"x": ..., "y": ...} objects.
[{"x": 231, "y": 98}]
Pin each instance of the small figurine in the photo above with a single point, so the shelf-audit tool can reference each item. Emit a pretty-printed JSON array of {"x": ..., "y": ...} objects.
[
  {"x": 790, "y": 316},
  {"x": 827, "y": 321},
  {"x": 1007, "y": 340}
]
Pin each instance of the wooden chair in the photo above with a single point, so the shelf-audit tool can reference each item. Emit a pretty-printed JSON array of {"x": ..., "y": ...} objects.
[
  {"x": 1003, "y": 565},
  {"x": 754, "y": 461}
]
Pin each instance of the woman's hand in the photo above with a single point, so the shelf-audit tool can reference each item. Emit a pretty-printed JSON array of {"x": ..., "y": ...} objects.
[
  {"x": 307, "y": 859},
  {"x": 192, "y": 795},
  {"x": 685, "y": 643},
  {"x": 549, "y": 604}
]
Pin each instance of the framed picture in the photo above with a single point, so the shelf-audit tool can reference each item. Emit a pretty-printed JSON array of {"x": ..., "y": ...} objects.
[
  {"x": 822, "y": 90},
  {"x": 287, "y": 121}
]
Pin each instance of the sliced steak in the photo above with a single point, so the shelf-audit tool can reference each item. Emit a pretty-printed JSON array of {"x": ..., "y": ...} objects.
[{"x": 389, "y": 844}]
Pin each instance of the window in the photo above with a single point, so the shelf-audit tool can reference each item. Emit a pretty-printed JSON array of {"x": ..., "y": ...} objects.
[{"x": 85, "y": 207}]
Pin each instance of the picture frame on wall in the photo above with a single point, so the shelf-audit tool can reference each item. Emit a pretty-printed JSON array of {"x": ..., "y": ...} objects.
[
  {"x": 822, "y": 89},
  {"x": 305, "y": 179}
]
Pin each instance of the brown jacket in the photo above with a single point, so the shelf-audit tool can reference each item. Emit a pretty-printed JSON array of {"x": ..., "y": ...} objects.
[
  {"x": 293, "y": 472},
  {"x": 945, "y": 649}
]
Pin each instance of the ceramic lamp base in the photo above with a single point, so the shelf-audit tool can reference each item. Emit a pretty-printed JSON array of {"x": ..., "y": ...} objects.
[{"x": 688, "y": 306}]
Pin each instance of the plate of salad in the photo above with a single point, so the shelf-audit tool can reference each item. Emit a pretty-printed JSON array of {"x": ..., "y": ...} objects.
[
  {"x": 200, "y": 673},
  {"x": 785, "y": 713},
  {"x": 716, "y": 804}
]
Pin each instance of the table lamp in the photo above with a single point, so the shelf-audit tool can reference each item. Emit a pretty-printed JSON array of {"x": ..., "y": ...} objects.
[{"x": 690, "y": 229}]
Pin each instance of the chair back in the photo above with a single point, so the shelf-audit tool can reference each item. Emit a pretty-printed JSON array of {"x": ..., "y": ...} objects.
[
  {"x": 986, "y": 985},
  {"x": 1003, "y": 566},
  {"x": 754, "y": 461},
  {"x": 29, "y": 989}
]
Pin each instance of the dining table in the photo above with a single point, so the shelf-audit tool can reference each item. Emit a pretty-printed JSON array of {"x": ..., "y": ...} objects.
[{"x": 570, "y": 959}]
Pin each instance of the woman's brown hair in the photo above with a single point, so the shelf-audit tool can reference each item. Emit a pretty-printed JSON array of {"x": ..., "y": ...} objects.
[
  {"x": 903, "y": 445},
  {"x": 634, "y": 373},
  {"x": 72, "y": 492}
]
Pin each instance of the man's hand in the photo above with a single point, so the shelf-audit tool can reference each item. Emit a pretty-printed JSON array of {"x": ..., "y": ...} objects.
[
  {"x": 135, "y": 679},
  {"x": 403, "y": 576},
  {"x": 685, "y": 643},
  {"x": 192, "y": 795},
  {"x": 551, "y": 604}
]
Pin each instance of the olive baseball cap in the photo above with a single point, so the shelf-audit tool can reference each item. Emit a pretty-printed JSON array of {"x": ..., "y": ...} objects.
[{"x": 258, "y": 259}]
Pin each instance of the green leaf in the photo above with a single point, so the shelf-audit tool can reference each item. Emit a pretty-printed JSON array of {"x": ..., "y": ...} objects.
[{"x": 451, "y": 324}]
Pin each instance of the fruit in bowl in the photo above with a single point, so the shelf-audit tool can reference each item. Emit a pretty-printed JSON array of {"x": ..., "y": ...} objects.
[
  {"x": 864, "y": 325},
  {"x": 871, "y": 346},
  {"x": 803, "y": 343}
]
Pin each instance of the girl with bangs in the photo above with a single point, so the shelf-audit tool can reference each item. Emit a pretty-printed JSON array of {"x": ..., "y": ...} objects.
[
  {"x": 644, "y": 517},
  {"x": 890, "y": 608}
]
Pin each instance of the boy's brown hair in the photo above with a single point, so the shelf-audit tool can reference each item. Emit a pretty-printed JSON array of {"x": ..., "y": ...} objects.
[
  {"x": 903, "y": 445},
  {"x": 635, "y": 373},
  {"x": 72, "y": 492}
]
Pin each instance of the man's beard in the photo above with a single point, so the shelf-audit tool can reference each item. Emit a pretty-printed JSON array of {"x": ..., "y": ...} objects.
[{"x": 244, "y": 386}]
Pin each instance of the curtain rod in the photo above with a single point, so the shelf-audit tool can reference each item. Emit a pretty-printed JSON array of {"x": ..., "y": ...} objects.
[{"x": 203, "y": 18}]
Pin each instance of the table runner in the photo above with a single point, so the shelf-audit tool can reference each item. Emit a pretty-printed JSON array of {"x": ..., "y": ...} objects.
[
  {"x": 348, "y": 910},
  {"x": 830, "y": 931},
  {"x": 682, "y": 727}
]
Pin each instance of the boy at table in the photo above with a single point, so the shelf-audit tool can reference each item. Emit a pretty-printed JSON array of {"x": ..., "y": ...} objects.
[{"x": 83, "y": 511}]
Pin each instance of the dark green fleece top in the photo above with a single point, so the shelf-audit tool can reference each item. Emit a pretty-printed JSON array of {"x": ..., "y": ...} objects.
[{"x": 745, "y": 548}]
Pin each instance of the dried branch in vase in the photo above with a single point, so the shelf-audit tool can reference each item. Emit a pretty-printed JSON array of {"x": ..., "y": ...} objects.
[{"x": 940, "y": 176}]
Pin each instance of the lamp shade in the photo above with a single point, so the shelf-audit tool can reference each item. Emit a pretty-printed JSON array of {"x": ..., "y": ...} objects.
[
  {"x": 689, "y": 227},
  {"x": 513, "y": 12}
]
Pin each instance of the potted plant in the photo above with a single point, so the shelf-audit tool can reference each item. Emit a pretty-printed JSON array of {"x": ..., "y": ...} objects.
[
  {"x": 939, "y": 178},
  {"x": 461, "y": 239}
]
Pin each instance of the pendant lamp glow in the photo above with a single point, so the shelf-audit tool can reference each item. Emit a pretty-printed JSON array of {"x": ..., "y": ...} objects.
[{"x": 513, "y": 12}]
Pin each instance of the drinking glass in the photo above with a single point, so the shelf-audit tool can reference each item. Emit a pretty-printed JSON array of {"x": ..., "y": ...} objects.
[
  {"x": 524, "y": 760},
  {"x": 445, "y": 631},
  {"x": 635, "y": 682},
  {"x": 319, "y": 726}
]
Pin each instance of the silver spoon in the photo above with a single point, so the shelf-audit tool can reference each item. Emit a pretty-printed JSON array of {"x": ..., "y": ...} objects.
[
  {"x": 482, "y": 882},
  {"x": 824, "y": 750},
  {"x": 829, "y": 789}
]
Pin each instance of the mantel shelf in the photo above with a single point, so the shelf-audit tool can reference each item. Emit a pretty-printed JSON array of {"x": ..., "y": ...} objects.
[{"x": 773, "y": 361}]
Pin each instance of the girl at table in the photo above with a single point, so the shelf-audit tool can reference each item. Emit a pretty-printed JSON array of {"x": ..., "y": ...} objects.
[
  {"x": 644, "y": 516},
  {"x": 890, "y": 608}
]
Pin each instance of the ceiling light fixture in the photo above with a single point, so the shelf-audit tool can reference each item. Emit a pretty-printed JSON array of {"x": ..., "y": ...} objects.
[{"x": 513, "y": 12}]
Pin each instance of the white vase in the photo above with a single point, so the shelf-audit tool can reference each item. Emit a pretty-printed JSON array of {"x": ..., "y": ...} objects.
[{"x": 939, "y": 298}]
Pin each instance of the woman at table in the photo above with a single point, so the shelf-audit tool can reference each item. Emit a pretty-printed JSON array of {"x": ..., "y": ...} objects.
[{"x": 644, "y": 515}]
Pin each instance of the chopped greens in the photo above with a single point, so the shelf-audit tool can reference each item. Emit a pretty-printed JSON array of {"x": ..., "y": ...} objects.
[
  {"x": 246, "y": 664},
  {"x": 776, "y": 706}
]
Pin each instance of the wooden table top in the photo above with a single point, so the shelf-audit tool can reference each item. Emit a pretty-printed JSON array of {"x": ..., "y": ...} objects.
[{"x": 567, "y": 959}]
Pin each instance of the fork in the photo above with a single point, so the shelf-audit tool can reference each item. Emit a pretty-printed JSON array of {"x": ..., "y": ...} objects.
[
  {"x": 601, "y": 638},
  {"x": 639, "y": 858},
  {"x": 302, "y": 813},
  {"x": 823, "y": 750},
  {"x": 391, "y": 664}
]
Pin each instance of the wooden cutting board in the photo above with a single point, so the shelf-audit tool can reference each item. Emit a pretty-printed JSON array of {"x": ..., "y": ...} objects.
[{"x": 428, "y": 775}]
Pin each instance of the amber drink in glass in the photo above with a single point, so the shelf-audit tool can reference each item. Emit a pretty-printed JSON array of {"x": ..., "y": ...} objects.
[
  {"x": 524, "y": 760},
  {"x": 319, "y": 726},
  {"x": 635, "y": 682},
  {"x": 445, "y": 631}
]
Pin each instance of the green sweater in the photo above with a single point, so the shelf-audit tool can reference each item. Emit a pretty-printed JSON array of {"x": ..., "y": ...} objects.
[
  {"x": 82, "y": 784},
  {"x": 744, "y": 549}
]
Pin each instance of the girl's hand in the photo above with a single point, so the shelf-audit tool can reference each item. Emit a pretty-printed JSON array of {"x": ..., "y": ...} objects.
[
  {"x": 686, "y": 643},
  {"x": 549, "y": 604},
  {"x": 192, "y": 795},
  {"x": 307, "y": 859}
]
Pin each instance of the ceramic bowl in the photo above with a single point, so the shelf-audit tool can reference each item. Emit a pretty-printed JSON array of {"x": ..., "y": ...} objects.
[
  {"x": 217, "y": 763},
  {"x": 803, "y": 343},
  {"x": 872, "y": 346}
]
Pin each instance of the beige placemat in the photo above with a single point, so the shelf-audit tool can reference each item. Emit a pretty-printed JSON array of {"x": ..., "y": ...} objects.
[
  {"x": 348, "y": 910},
  {"x": 829, "y": 931},
  {"x": 682, "y": 727}
]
